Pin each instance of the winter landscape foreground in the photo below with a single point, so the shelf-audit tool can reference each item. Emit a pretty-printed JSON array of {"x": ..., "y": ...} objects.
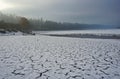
[{"x": 48, "y": 57}]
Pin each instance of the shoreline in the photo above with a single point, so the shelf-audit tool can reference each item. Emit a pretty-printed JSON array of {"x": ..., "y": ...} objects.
[{"x": 96, "y": 36}]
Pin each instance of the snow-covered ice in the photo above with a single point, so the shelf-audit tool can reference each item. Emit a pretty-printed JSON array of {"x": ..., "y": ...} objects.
[
  {"x": 99, "y": 34},
  {"x": 47, "y": 57},
  {"x": 100, "y": 31}
]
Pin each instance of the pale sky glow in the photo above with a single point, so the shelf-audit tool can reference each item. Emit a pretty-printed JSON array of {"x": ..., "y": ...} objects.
[
  {"x": 4, "y": 5},
  {"x": 81, "y": 11}
]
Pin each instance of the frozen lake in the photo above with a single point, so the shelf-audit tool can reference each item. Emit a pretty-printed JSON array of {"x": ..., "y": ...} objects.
[
  {"x": 99, "y": 34},
  {"x": 100, "y": 31}
]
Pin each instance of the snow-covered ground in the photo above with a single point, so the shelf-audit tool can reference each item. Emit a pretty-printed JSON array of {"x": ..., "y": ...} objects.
[{"x": 47, "y": 57}]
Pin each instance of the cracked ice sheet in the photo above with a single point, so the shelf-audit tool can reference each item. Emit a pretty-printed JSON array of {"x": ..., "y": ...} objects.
[{"x": 45, "y": 57}]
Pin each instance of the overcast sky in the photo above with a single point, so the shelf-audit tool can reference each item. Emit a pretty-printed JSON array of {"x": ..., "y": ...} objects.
[{"x": 81, "y": 11}]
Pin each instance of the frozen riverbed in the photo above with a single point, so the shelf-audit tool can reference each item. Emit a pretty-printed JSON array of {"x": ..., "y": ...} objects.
[{"x": 46, "y": 57}]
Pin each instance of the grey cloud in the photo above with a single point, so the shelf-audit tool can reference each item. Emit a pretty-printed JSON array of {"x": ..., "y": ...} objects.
[{"x": 87, "y": 11}]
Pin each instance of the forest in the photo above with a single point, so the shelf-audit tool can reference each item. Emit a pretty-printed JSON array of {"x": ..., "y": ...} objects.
[{"x": 15, "y": 23}]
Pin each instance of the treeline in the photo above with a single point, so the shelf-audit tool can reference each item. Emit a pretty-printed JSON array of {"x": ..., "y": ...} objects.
[
  {"x": 18, "y": 23},
  {"x": 40, "y": 24},
  {"x": 22, "y": 26}
]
